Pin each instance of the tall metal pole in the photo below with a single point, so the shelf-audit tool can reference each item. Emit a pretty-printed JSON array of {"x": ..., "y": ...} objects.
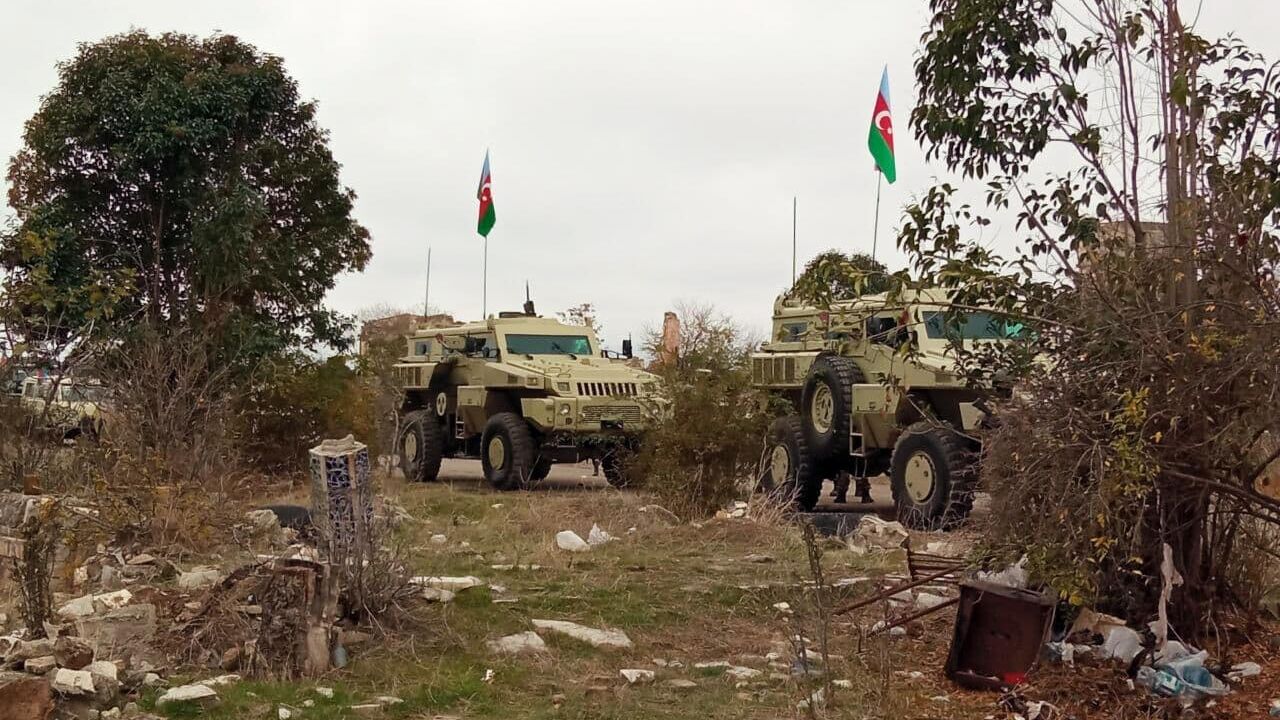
[
  {"x": 426, "y": 294},
  {"x": 875, "y": 232},
  {"x": 793, "y": 241},
  {"x": 484, "y": 301}
]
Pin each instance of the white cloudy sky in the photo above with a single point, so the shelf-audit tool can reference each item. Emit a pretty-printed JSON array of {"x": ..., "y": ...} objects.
[{"x": 643, "y": 152}]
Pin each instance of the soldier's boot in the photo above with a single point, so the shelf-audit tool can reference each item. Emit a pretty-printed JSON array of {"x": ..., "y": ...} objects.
[
  {"x": 864, "y": 490},
  {"x": 840, "y": 487}
]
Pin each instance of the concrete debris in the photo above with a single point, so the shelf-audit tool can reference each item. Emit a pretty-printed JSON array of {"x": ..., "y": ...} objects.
[
  {"x": 598, "y": 536},
  {"x": 928, "y": 601},
  {"x": 284, "y": 713},
  {"x": 119, "y": 630},
  {"x": 439, "y": 539},
  {"x": 198, "y": 693},
  {"x": 452, "y": 584},
  {"x": 39, "y": 665},
  {"x": 518, "y": 643},
  {"x": 876, "y": 535},
  {"x": 102, "y": 668},
  {"x": 222, "y": 680},
  {"x": 592, "y": 636},
  {"x": 571, "y": 541},
  {"x": 141, "y": 559},
  {"x": 637, "y": 677},
  {"x": 22, "y": 650},
  {"x": 71, "y": 682},
  {"x": 90, "y": 604},
  {"x": 78, "y": 608},
  {"x": 200, "y": 577},
  {"x": 431, "y": 594}
]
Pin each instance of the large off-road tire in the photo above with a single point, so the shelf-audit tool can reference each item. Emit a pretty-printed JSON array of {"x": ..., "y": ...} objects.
[
  {"x": 421, "y": 446},
  {"x": 790, "y": 474},
  {"x": 541, "y": 469},
  {"x": 507, "y": 452},
  {"x": 826, "y": 404},
  {"x": 933, "y": 475}
]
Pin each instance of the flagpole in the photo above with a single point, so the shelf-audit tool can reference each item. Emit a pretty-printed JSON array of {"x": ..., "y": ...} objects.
[
  {"x": 426, "y": 294},
  {"x": 793, "y": 241},
  {"x": 875, "y": 231},
  {"x": 484, "y": 299}
]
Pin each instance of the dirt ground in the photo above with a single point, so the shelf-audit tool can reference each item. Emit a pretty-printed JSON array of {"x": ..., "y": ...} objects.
[{"x": 685, "y": 594}]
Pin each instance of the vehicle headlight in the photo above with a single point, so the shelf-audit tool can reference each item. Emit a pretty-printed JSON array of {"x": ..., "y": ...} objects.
[
  {"x": 562, "y": 387},
  {"x": 565, "y": 409}
]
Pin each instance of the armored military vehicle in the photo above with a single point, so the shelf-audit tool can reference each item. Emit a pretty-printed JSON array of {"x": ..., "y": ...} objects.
[
  {"x": 73, "y": 409},
  {"x": 875, "y": 387},
  {"x": 520, "y": 392}
]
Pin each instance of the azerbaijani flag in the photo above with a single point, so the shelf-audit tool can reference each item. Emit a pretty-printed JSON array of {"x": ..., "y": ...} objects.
[
  {"x": 485, "y": 196},
  {"x": 881, "y": 138}
]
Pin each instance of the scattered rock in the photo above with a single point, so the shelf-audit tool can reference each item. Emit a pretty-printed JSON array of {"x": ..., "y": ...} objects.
[
  {"x": 518, "y": 643},
  {"x": 40, "y": 665},
  {"x": 680, "y": 684},
  {"x": 199, "y": 578},
  {"x": 571, "y": 541},
  {"x": 284, "y": 712},
  {"x": 24, "y": 696},
  {"x": 105, "y": 669},
  {"x": 875, "y": 535},
  {"x": 592, "y": 636},
  {"x": 758, "y": 558},
  {"x": 151, "y": 680},
  {"x": 438, "y": 539},
  {"x": 783, "y": 607},
  {"x": 198, "y": 693},
  {"x": 928, "y": 601},
  {"x": 843, "y": 684},
  {"x": 221, "y": 680},
  {"x": 231, "y": 658},
  {"x": 104, "y": 602},
  {"x": 712, "y": 665},
  {"x": 637, "y": 677},
  {"x": 325, "y": 692},
  {"x": 452, "y": 584},
  {"x": 598, "y": 536},
  {"x": 141, "y": 559},
  {"x": 431, "y": 594},
  {"x": 78, "y": 608},
  {"x": 71, "y": 682},
  {"x": 737, "y": 672},
  {"x": 366, "y": 709},
  {"x": 119, "y": 630},
  {"x": 23, "y": 650},
  {"x": 389, "y": 700}
]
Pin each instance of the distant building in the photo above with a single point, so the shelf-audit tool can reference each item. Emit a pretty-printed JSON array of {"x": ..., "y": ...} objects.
[{"x": 395, "y": 327}]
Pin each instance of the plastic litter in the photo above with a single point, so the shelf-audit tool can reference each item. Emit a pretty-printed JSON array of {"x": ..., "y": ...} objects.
[
  {"x": 598, "y": 536},
  {"x": 1240, "y": 671},
  {"x": 1014, "y": 576}
]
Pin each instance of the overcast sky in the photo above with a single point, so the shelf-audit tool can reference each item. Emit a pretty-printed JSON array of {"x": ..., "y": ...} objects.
[{"x": 642, "y": 152}]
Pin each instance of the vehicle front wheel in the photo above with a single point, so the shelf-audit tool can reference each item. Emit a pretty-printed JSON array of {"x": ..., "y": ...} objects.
[
  {"x": 932, "y": 477},
  {"x": 614, "y": 466},
  {"x": 421, "y": 446},
  {"x": 507, "y": 452},
  {"x": 790, "y": 472}
]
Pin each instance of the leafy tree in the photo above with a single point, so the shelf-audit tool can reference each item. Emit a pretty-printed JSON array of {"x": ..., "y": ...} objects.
[
  {"x": 1144, "y": 257},
  {"x": 582, "y": 314},
  {"x": 833, "y": 275},
  {"x": 193, "y": 166}
]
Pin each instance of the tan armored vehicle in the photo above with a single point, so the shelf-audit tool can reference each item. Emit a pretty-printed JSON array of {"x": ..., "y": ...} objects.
[
  {"x": 73, "y": 409},
  {"x": 876, "y": 389},
  {"x": 520, "y": 393}
]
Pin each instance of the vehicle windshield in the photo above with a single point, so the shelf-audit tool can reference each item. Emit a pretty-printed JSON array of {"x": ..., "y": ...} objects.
[
  {"x": 549, "y": 344},
  {"x": 971, "y": 326}
]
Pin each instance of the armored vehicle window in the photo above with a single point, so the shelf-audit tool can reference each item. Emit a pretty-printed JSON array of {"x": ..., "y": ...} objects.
[
  {"x": 422, "y": 347},
  {"x": 794, "y": 331},
  {"x": 30, "y": 390},
  {"x": 482, "y": 346},
  {"x": 970, "y": 326},
  {"x": 548, "y": 344}
]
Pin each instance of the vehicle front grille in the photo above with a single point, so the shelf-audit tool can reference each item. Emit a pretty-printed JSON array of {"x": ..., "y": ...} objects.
[
  {"x": 606, "y": 389},
  {"x": 773, "y": 371},
  {"x": 625, "y": 413}
]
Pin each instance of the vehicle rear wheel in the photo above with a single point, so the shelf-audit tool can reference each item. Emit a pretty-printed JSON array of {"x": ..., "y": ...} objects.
[
  {"x": 826, "y": 404},
  {"x": 932, "y": 477},
  {"x": 421, "y": 446},
  {"x": 790, "y": 473},
  {"x": 507, "y": 452}
]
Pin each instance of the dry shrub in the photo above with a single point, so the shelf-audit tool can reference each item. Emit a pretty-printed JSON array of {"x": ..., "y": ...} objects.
[
  {"x": 699, "y": 457},
  {"x": 167, "y": 470}
]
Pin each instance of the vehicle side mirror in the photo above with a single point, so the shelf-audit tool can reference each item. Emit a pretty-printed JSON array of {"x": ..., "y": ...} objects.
[{"x": 626, "y": 348}]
